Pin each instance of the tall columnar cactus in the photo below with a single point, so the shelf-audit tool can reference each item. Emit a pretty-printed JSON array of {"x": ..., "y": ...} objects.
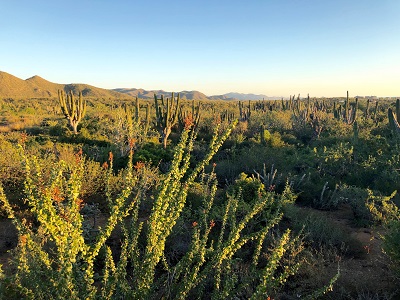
[
  {"x": 394, "y": 118},
  {"x": 147, "y": 120},
  {"x": 366, "y": 113},
  {"x": 137, "y": 109},
  {"x": 301, "y": 112},
  {"x": 73, "y": 109},
  {"x": 186, "y": 118},
  {"x": 336, "y": 111},
  {"x": 226, "y": 116},
  {"x": 375, "y": 112},
  {"x": 350, "y": 111},
  {"x": 166, "y": 116},
  {"x": 308, "y": 107},
  {"x": 355, "y": 132},
  {"x": 244, "y": 112}
]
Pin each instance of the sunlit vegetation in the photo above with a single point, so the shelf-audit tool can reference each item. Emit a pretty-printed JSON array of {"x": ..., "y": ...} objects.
[{"x": 177, "y": 199}]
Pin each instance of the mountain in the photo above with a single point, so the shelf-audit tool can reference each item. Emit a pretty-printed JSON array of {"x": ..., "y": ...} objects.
[
  {"x": 11, "y": 86},
  {"x": 37, "y": 87},
  {"x": 143, "y": 94},
  {"x": 239, "y": 96},
  {"x": 92, "y": 91},
  {"x": 191, "y": 95}
]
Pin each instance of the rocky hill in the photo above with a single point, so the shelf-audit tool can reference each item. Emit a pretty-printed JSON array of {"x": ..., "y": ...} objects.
[
  {"x": 143, "y": 94},
  {"x": 37, "y": 87}
]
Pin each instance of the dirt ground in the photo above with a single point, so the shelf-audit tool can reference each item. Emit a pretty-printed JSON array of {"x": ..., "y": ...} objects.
[
  {"x": 8, "y": 240},
  {"x": 363, "y": 275}
]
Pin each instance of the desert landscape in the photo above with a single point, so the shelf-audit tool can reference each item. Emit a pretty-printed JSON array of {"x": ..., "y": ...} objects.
[{"x": 214, "y": 150}]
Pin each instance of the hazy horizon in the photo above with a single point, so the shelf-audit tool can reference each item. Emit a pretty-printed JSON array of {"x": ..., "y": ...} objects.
[{"x": 275, "y": 48}]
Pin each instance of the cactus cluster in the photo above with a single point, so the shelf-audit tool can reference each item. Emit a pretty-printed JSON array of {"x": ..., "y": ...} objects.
[
  {"x": 245, "y": 112},
  {"x": 301, "y": 114},
  {"x": 186, "y": 118},
  {"x": 134, "y": 121},
  {"x": 348, "y": 113},
  {"x": 226, "y": 116},
  {"x": 73, "y": 109},
  {"x": 166, "y": 115}
]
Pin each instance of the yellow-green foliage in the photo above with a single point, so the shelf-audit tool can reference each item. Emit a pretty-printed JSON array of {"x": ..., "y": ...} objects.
[
  {"x": 387, "y": 213},
  {"x": 54, "y": 260}
]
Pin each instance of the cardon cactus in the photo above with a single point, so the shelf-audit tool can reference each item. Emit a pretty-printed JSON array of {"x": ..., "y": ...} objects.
[
  {"x": 350, "y": 111},
  {"x": 73, "y": 109},
  {"x": 347, "y": 113},
  {"x": 186, "y": 118},
  {"x": 394, "y": 118},
  {"x": 166, "y": 116}
]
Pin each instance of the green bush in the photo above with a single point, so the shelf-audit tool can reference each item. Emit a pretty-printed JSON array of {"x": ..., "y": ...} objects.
[
  {"x": 322, "y": 232},
  {"x": 385, "y": 212},
  {"x": 391, "y": 245},
  {"x": 55, "y": 260}
]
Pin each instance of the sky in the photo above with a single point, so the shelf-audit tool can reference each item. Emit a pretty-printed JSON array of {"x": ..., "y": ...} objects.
[{"x": 270, "y": 47}]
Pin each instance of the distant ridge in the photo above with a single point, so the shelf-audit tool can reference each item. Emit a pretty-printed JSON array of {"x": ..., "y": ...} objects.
[
  {"x": 38, "y": 87},
  {"x": 239, "y": 96},
  {"x": 143, "y": 94}
]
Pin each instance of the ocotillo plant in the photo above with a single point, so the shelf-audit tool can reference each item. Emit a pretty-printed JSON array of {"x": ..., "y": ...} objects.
[
  {"x": 136, "y": 128},
  {"x": 73, "y": 110},
  {"x": 166, "y": 116}
]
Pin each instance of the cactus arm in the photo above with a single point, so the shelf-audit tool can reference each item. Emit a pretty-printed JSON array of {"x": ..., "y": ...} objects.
[
  {"x": 156, "y": 107},
  {"x": 176, "y": 110},
  {"x": 394, "y": 125},
  {"x": 137, "y": 109}
]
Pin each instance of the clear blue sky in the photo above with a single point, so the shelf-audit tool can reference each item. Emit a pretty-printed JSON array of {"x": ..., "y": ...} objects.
[{"x": 277, "y": 47}]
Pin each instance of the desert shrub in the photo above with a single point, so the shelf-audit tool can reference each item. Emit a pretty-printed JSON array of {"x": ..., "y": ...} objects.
[
  {"x": 196, "y": 194},
  {"x": 391, "y": 244},
  {"x": 385, "y": 212},
  {"x": 11, "y": 169},
  {"x": 53, "y": 258},
  {"x": 335, "y": 161},
  {"x": 55, "y": 201},
  {"x": 276, "y": 140},
  {"x": 382, "y": 208},
  {"x": 320, "y": 231},
  {"x": 154, "y": 153},
  {"x": 289, "y": 139},
  {"x": 328, "y": 199},
  {"x": 357, "y": 198},
  {"x": 248, "y": 187},
  {"x": 57, "y": 130},
  {"x": 278, "y": 120}
]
